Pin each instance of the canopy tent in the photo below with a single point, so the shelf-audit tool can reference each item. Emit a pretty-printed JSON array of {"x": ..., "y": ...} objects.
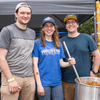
[{"x": 56, "y": 9}]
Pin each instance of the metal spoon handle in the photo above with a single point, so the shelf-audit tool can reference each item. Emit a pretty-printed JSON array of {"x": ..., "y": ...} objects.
[{"x": 70, "y": 57}]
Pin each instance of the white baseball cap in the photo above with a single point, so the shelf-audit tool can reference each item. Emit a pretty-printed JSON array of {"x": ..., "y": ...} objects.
[{"x": 22, "y": 4}]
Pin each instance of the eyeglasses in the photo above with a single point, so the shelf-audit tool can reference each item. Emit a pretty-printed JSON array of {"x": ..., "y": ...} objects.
[{"x": 72, "y": 22}]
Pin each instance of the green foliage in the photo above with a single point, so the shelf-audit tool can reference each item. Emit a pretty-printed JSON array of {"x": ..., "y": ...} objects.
[{"x": 87, "y": 26}]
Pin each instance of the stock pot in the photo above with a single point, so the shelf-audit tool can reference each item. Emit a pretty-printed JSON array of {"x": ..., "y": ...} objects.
[{"x": 87, "y": 92}]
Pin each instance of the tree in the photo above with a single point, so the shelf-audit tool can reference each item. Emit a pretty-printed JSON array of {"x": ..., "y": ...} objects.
[{"x": 87, "y": 26}]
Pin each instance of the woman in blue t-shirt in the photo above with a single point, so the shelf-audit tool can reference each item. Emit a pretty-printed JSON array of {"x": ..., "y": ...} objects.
[{"x": 47, "y": 58}]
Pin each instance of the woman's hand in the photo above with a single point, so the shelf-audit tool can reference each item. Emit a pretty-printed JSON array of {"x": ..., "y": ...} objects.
[{"x": 40, "y": 90}]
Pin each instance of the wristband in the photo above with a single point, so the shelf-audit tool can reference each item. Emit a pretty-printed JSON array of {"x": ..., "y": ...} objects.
[
  {"x": 12, "y": 79},
  {"x": 95, "y": 72},
  {"x": 68, "y": 64}
]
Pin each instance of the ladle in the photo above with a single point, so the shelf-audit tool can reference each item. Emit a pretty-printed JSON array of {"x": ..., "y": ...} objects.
[{"x": 70, "y": 57}]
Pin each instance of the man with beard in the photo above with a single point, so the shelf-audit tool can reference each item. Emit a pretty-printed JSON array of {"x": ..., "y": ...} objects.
[{"x": 16, "y": 46}]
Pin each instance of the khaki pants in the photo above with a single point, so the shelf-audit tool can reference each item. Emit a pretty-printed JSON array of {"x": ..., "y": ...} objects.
[
  {"x": 68, "y": 90},
  {"x": 27, "y": 85}
]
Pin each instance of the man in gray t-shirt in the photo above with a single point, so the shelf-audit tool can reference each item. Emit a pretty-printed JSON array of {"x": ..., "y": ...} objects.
[{"x": 16, "y": 46}]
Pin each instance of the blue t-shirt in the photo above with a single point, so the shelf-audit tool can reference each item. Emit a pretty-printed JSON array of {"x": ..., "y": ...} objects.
[
  {"x": 79, "y": 48},
  {"x": 49, "y": 62}
]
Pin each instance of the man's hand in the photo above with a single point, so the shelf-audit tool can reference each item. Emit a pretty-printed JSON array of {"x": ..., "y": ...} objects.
[
  {"x": 92, "y": 74},
  {"x": 71, "y": 61},
  {"x": 13, "y": 86}
]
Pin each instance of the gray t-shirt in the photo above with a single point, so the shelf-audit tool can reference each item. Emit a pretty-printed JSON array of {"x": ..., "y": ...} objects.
[{"x": 20, "y": 44}]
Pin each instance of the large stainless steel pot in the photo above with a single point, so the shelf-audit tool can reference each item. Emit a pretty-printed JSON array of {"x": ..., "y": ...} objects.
[{"x": 87, "y": 92}]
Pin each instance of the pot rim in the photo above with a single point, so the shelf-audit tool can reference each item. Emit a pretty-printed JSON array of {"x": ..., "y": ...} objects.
[{"x": 96, "y": 78}]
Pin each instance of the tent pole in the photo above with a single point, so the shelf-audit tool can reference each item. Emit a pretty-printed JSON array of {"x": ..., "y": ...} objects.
[{"x": 95, "y": 29}]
